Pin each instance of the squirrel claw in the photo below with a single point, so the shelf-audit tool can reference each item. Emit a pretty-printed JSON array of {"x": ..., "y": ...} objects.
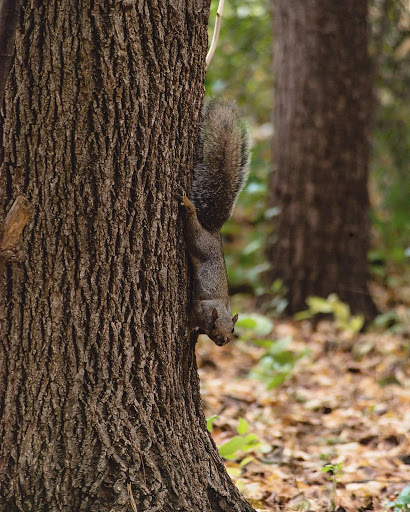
[
  {"x": 180, "y": 193},
  {"x": 185, "y": 202}
]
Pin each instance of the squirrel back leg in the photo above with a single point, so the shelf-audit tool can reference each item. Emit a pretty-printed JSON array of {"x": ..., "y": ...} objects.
[{"x": 200, "y": 242}]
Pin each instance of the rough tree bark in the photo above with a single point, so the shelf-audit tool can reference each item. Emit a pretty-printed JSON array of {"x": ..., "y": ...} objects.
[
  {"x": 99, "y": 386},
  {"x": 9, "y": 11},
  {"x": 323, "y": 104}
]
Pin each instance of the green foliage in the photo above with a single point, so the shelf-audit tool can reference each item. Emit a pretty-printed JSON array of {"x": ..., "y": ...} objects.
[
  {"x": 210, "y": 422},
  {"x": 390, "y": 322},
  {"x": 343, "y": 318},
  {"x": 278, "y": 363},
  {"x": 278, "y": 301},
  {"x": 402, "y": 502},
  {"x": 241, "y": 66},
  {"x": 335, "y": 471},
  {"x": 230, "y": 449},
  {"x": 243, "y": 426},
  {"x": 303, "y": 505},
  {"x": 241, "y": 443},
  {"x": 253, "y": 325}
]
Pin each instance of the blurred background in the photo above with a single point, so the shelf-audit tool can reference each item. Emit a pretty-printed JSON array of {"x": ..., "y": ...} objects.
[
  {"x": 242, "y": 70},
  {"x": 310, "y": 408}
]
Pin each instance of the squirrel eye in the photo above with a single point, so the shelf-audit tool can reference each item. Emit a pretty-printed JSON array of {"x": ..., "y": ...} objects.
[{"x": 232, "y": 331}]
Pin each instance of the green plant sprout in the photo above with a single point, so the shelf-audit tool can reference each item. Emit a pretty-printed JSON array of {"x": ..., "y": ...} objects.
[
  {"x": 402, "y": 502},
  {"x": 343, "y": 318},
  {"x": 253, "y": 325},
  {"x": 278, "y": 362},
  {"x": 391, "y": 322},
  {"x": 210, "y": 422},
  {"x": 335, "y": 472},
  {"x": 243, "y": 442}
]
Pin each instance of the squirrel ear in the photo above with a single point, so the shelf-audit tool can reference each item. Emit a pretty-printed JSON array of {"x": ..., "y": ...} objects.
[
  {"x": 235, "y": 318},
  {"x": 214, "y": 314}
]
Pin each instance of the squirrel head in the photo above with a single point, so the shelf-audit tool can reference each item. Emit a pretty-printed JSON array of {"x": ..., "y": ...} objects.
[{"x": 222, "y": 328}]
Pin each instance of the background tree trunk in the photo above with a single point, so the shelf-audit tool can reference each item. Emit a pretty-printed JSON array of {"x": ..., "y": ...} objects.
[
  {"x": 99, "y": 386},
  {"x": 322, "y": 114}
]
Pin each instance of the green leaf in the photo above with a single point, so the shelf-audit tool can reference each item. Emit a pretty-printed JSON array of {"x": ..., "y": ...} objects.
[
  {"x": 234, "y": 472},
  {"x": 406, "y": 491},
  {"x": 404, "y": 498},
  {"x": 303, "y": 315},
  {"x": 229, "y": 449},
  {"x": 279, "y": 346},
  {"x": 246, "y": 461},
  {"x": 252, "y": 247},
  {"x": 356, "y": 323},
  {"x": 339, "y": 468},
  {"x": 210, "y": 422},
  {"x": 243, "y": 426},
  {"x": 386, "y": 319},
  {"x": 251, "y": 438},
  {"x": 285, "y": 358},
  {"x": 341, "y": 310},
  {"x": 263, "y": 343},
  {"x": 251, "y": 442},
  {"x": 246, "y": 323},
  {"x": 277, "y": 286},
  {"x": 259, "y": 324},
  {"x": 277, "y": 380},
  {"x": 390, "y": 504},
  {"x": 319, "y": 305}
]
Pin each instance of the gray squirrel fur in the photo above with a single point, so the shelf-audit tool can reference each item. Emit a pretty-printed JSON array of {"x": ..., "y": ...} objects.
[
  {"x": 217, "y": 180},
  {"x": 222, "y": 171}
]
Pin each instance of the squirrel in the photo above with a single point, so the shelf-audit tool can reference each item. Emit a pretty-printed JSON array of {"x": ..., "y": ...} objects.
[{"x": 217, "y": 181}]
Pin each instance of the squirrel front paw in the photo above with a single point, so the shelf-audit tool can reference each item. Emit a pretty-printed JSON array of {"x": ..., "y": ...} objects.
[
  {"x": 180, "y": 193},
  {"x": 185, "y": 202}
]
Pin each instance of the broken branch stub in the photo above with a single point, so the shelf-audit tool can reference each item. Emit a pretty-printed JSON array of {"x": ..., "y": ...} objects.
[{"x": 14, "y": 223}]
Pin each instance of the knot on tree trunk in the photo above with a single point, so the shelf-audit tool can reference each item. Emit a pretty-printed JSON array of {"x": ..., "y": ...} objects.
[{"x": 14, "y": 223}]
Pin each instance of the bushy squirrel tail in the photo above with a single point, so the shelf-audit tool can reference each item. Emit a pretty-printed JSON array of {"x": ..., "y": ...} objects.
[{"x": 223, "y": 169}]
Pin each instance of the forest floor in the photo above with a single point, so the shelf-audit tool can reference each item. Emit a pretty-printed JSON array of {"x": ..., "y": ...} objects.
[{"x": 344, "y": 408}]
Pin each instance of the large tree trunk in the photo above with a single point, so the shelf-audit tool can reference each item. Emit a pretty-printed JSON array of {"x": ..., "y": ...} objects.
[
  {"x": 323, "y": 104},
  {"x": 9, "y": 13},
  {"x": 99, "y": 387}
]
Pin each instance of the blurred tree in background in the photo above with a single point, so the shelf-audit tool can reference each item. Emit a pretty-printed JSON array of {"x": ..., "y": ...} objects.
[
  {"x": 322, "y": 116},
  {"x": 242, "y": 70}
]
